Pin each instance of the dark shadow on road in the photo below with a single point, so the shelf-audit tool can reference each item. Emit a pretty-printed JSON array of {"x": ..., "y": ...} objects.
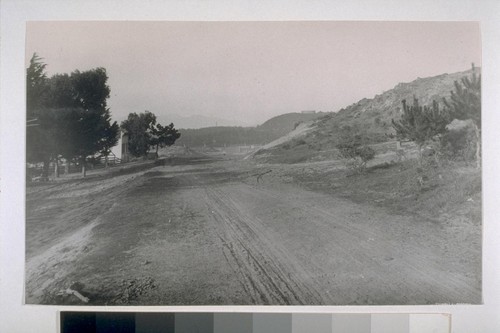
[{"x": 158, "y": 182}]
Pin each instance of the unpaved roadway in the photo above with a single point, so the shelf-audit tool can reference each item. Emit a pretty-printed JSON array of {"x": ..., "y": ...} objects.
[{"x": 204, "y": 231}]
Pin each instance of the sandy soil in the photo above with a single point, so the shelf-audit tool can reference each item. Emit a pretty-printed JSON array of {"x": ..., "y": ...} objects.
[{"x": 210, "y": 231}]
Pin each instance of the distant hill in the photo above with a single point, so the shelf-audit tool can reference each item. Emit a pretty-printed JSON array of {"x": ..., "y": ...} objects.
[
  {"x": 220, "y": 136},
  {"x": 197, "y": 121},
  {"x": 372, "y": 116},
  {"x": 285, "y": 123},
  {"x": 270, "y": 130}
]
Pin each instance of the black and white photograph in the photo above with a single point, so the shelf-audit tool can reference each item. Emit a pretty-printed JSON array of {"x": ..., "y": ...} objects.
[{"x": 253, "y": 163}]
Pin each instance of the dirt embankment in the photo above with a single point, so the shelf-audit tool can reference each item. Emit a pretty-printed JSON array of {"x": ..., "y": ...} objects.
[{"x": 206, "y": 231}]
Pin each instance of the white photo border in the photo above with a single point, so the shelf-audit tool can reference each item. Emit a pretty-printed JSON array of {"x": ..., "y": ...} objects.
[{"x": 14, "y": 14}]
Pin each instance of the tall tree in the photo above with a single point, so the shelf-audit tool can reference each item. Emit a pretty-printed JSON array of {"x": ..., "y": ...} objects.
[
  {"x": 58, "y": 117},
  {"x": 164, "y": 136},
  {"x": 36, "y": 86},
  {"x": 61, "y": 92},
  {"x": 91, "y": 89},
  {"x": 92, "y": 131},
  {"x": 37, "y": 147},
  {"x": 465, "y": 103},
  {"x": 139, "y": 128},
  {"x": 73, "y": 120},
  {"x": 144, "y": 133}
]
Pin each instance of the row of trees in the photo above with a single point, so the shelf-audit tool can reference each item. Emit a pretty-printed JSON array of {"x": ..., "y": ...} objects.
[
  {"x": 145, "y": 133},
  {"x": 422, "y": 124},
  {"x": 67, "y": 116}
]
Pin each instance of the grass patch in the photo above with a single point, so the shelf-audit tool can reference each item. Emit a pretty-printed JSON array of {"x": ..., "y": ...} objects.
[
  {"x": 283, "y": 154},
  {"x": 433, "y": 193}
]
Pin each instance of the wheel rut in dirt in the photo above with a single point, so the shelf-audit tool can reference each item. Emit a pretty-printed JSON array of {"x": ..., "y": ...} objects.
[
  {"x": 208, "y": 233},
  {"x": 265, "y": 271}
]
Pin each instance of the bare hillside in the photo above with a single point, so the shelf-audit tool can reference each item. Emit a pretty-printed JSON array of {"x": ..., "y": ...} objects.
[
  {"x": 285, "y": 123},
  {"x": 370, "y": 116}
]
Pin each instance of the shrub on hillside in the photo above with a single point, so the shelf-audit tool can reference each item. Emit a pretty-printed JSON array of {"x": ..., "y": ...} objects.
[
  {"x": 366, "y": 153},
  {"x": 465, "y": 104},
  {"x": 421, "y": 124},
  {"x": 297, "y": 142},
  {"x": 459, "y": 145},
  {"x": 355, "y": 154}
]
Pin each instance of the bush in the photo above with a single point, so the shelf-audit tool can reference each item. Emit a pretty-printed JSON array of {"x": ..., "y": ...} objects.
[
  {"x": 297, "y": 124},
  {"x": 458, "y": 145},
  {"x": 366, "y": 153},
  {"x": 355, "y": 154},
  {"x": 298, "y": 142}
]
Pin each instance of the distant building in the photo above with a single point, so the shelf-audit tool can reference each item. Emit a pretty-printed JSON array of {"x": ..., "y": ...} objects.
[
  {"x": 125, "y": 155},
  {"x": 121, "y": 149},
  {"x": 308, "y": 111}
]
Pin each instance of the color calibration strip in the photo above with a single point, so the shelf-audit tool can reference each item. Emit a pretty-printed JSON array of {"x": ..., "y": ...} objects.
[{"x": 147, "y": 322}]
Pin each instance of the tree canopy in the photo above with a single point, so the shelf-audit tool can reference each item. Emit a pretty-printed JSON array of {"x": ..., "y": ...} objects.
[
  {"x": 36, "y": 86},
  {"x": 420, "y": 124},
  {"x": 144, "y": 133},
  {"x": 465, "y": 101},
  {"x": 164, "y": 136},
  {"x": 70, "y": 112},
  {"x": 465, "y": 104},
  {"x": 352, "y": 147},
  {"x": 139, "y": 130}
]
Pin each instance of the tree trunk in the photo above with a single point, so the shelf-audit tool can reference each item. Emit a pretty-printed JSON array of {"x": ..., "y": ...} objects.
[
  {"x": 84, "y": 169},
  {"x": 66, "y": 167},
  {"x": 477, "y": 131},
  {"x": 56, "y": 168},
  {"x": 46, "y": 166},
  {"x": 106, "y": 161}
]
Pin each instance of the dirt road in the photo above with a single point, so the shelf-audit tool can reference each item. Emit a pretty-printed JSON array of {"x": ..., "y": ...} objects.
[{"x": 206, "y": 231}]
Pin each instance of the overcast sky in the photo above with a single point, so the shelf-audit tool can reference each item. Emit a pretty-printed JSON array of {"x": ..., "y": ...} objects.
[{"x": 248, "y": 72}]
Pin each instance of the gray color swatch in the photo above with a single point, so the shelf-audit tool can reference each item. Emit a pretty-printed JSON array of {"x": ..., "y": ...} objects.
[
  {"x": 390, "y": 323},
  {"x": 351, "y": 323},
  {"x": 313, "y": 322},
  {"x": 154, "y": 322},
  {"x": 233, "y": 322},
  {"x": 194, "y": 323},
  {"x": 272, "y": 323}
]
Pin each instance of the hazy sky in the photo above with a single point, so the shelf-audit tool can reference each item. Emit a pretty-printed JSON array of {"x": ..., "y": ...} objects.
[{"x": 251, "y": 71}]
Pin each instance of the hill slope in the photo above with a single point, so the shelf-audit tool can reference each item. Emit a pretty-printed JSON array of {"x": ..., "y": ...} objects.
[
  {"x": 285, "y": 123},
  {"x": 224, "y": 135},
  {"x": 272, "y": 129},
  {"x": 372, "y": 117},
  {"x": 198, "y": 121}
]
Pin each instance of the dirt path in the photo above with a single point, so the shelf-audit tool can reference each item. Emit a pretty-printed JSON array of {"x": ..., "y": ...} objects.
[{"x": 206, "y": 232}]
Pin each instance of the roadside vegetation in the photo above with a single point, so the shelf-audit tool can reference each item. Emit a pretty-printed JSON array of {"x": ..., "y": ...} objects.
[
  {"x": 144, "y": 133},
  {"x": 452, "y": 192},
  {"x": 429, "y": 164},
  {"x": 67, "y": 117},
  {"x": 69, "y": 123},
  {"x": 354, "y": 150}
]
